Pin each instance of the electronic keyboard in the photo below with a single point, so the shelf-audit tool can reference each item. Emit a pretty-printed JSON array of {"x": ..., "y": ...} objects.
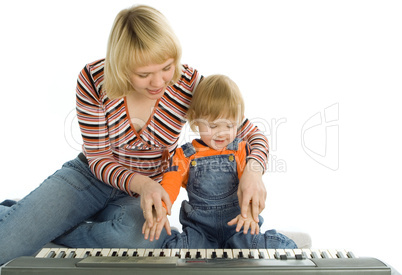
[{"x": 74, "y": 261}]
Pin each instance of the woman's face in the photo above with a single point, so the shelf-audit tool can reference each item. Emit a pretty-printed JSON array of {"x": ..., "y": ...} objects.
[{"x": 151, "y": 80}]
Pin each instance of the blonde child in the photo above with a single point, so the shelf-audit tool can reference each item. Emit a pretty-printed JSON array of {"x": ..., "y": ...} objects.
[{"x": 209, "y": 168}]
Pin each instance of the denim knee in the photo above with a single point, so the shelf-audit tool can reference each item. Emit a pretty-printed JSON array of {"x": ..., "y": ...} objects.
[{"x": 276, "y": 240}]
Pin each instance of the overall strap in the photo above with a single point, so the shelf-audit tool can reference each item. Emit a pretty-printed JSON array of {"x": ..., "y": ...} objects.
[
  {"x": 188, "y": 149},
  {"x": 234, "y": 145}
]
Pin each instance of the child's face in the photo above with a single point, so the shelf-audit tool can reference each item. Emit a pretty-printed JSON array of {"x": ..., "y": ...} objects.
[{"x": 217, "y": 134}]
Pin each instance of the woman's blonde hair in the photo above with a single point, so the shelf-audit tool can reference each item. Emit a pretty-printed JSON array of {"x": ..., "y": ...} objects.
[
  {"x": 217, "y": 96},
  {"x": 140, "y": 36}
]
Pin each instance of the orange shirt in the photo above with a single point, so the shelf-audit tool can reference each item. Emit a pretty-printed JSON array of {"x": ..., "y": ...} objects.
[{"x": 178, "y": 171}]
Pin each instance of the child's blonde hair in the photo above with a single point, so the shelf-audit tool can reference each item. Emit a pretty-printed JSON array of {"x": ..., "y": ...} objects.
[
  {"x": 217, "y": 96},
  {"x": 140, "y": 36}
]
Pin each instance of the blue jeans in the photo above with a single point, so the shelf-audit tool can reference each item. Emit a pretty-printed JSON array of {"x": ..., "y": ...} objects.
[
  {"x": 212, "y": 192},
  {"x": 73, "y": 208}
]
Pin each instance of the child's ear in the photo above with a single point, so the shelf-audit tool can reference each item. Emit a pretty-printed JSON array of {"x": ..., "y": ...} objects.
[{"x": 194, "y": 126}]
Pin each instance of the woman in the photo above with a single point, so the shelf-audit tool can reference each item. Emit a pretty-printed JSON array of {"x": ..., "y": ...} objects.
[{"x": 131, "y": 108}]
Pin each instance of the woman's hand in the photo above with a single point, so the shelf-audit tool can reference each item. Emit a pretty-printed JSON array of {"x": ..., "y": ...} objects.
[
  {"x": 252, "y": 190},
  {"x": 154, "y": 232},
  {"x": 152, "y": 194}
]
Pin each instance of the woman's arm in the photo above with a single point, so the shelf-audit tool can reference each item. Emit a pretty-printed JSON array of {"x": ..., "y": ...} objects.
[
  {"x": 251, "y": 187},
  {"x": 95, "y": 133}
]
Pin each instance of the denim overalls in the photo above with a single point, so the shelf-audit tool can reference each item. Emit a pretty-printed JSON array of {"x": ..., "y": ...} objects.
[{"x": 212, "y": 192}]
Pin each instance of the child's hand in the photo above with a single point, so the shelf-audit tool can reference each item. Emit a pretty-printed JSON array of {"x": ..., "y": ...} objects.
[
  {"x": 246, "y": 223},
  {"x": 155, "y": 230}
]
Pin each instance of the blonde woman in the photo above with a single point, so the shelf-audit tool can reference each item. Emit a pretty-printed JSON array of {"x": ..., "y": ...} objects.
[{"x": 131, "y": 108}]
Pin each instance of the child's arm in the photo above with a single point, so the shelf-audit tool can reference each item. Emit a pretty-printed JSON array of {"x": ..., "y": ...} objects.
[
  {"x": 171, "y": 182},
  {"x": 155, "y": 230},
  {"x": 246, "y": 223}
]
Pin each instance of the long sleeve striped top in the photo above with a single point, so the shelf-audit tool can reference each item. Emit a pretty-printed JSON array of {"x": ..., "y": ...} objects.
[{"x": 116, "y": 151}]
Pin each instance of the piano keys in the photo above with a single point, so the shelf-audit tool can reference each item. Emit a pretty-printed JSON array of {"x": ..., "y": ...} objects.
[{"x": 122, "y": 261}]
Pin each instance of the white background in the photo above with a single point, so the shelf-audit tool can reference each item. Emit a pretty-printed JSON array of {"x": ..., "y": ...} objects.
[{"x": 291, "y": 59}]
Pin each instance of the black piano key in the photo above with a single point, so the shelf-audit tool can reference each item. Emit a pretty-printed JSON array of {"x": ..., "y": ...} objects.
[
  {"x": 315, "y": 255},
  {"x": 135, "y": 254},
  {"x": 261, "y": 255},
  {"x": 162, "y": 254},
  {"x": 71, "y": 255},
  {"x": 150, "y": 254},
  {"x": 299, "y": 256},
  {"x": 51, "y": 254},
  {"x": 87, "y": 254},
  {"x": 251, "y": 255},
  {"x": 114, "y": 254},
  {"x": 350, "y": 254},
  {"x": 213, "y": 256},
  {"x": 188, "y": 255},
  {"x": 177, "y": 254},
  {"x": 241, "y": 256},
  {"x": 61, "y": 255},
  {"x": 283, "y": 257},
  {"x": 98, "y": 254},
  {"x": 198, "y": 255},
  {"x": 340, "y": 255},
  {"x": 124, "y": 254},
  {"x": 325, "y": 255},
  {"x": 225, "y": 255}
]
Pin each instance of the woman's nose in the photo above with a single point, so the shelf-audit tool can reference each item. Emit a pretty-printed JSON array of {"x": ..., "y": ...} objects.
[{"x": 157, "y": 80}]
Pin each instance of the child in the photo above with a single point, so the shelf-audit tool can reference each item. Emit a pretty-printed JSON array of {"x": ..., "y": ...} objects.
[{"x": 210, "y": 168}]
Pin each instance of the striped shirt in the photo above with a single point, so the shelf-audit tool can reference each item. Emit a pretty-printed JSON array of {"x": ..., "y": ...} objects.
[{"x": 116, "y": 151}]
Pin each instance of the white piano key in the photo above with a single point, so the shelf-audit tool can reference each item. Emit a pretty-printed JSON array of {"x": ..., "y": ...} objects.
[
  {"x": 306, "y": 253},
  {"x": 290, "y": 254},
  {"x": 297, "y": 251},
  {"x": 174, "y": 252},
  {"x": 141, "y": 252},
  {"x": 193, "y": 253},
  {"x": 158, "y": 252},
  {"x": 333, "y": 253},
  {"x": 130, "y": 252},
  {"x": 80, "y": 252},
  {"x": 271, "y": 253},
  {"x": 106, "y": 252},
  {"x": 42, "y": 253}
]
